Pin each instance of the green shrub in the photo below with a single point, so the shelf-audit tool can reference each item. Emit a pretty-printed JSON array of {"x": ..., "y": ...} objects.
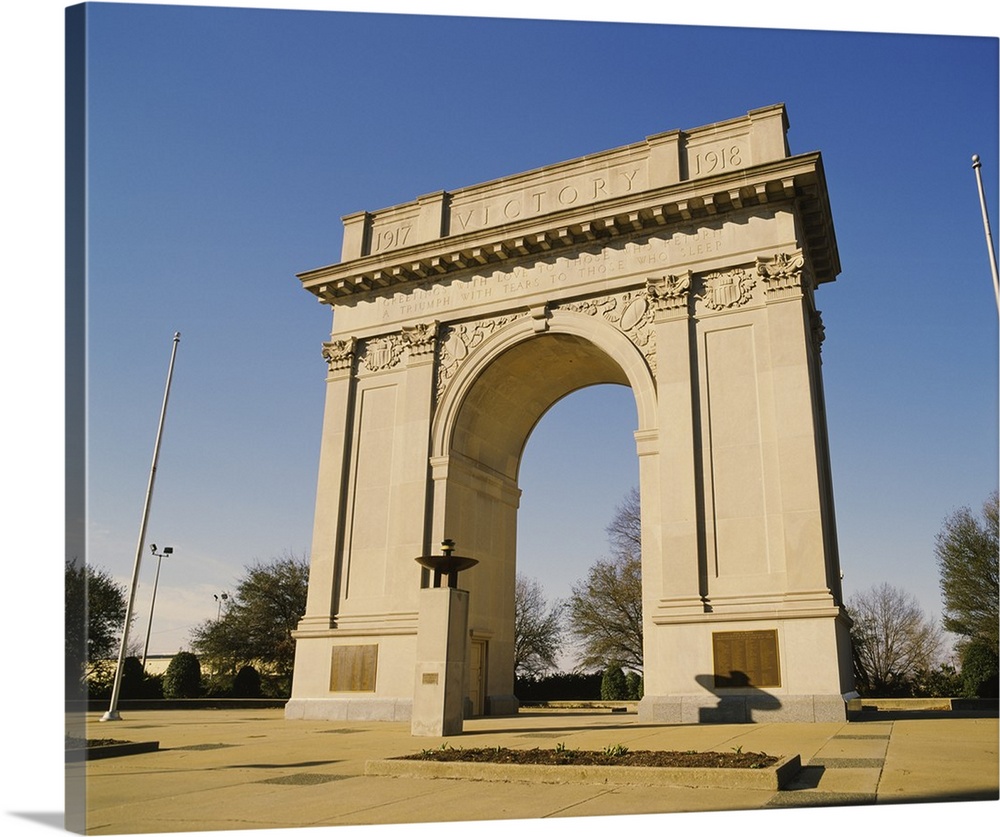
[
  {"x": 559, "y": 686},
  {"x": 247, "y": 683},
  {"x": 633, "y": 685},
  {"x": 276, "y": 686},
  {"x": 940, "y": 682},
  {"x": 136, "y": 683},
  {"x": 133, "y": 676},
  {"x": 613, "y": 685},
  {"x": 100, "y": 681},
  {"x": 217, "y": 685},
  {"x": 152, "y": 687},
  {"x": 979, "y": 670},
  {"x": 182, "y": 678}
]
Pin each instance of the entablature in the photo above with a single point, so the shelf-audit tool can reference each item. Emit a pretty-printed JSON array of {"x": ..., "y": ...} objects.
[{"x": 798, "y": 182}]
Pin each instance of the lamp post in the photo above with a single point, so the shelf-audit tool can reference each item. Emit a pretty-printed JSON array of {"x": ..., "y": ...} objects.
[
  {"x": 167, "y": 550},
  {"x": 220, "y": 599}
]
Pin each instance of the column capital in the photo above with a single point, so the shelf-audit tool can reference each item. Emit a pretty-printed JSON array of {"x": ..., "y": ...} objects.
[
  {"x": 783, "y": 275},
  {"x": 339, "y": 354},
  {"x": 670, "y": 295},
  {"x": 420, "y": 339}
]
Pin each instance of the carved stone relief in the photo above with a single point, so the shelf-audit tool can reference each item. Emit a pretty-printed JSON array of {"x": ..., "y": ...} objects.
[
  {"x": 381, "y": 353},
  {"x": 384, "y": 352},
  {"x": 630, "y": 312},
  {"x": 782, "y": 274},
  {"x": 818, "y": 330},
  {"x": 727, "y": 289},
  {"x": 420, "y": 339},
  {"x": 669, "y": 293},
  {"x": 458, "y": 341},
  {"x": 339, "y": 354}
]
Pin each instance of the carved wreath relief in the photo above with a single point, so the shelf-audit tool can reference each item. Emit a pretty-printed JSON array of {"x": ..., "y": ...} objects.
[
  {"x": 456, "y": 342},
  {"x": 630, "y": 312}
]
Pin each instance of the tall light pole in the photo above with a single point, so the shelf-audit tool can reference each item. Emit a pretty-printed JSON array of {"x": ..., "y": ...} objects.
[
  {"x": 167, "y": 550},
  {"x": 986, "y": 226},
  {"x": 220, "y": 599},
  {"x": 112, "y": 714}
]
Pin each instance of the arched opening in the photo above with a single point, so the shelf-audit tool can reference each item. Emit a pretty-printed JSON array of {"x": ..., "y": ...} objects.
[
  {"x": 477, "y": 490},
  {"x": 579, "y": 463}
]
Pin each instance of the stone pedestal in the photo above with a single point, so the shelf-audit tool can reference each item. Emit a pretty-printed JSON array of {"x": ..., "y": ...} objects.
[{"x": 442, "y": 649}]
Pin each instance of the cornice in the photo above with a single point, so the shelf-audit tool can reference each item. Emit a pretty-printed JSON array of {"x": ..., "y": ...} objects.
[{"x": 797, "y": 181}]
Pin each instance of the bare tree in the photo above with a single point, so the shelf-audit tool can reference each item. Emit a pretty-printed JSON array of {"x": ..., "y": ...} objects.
[
  {"x": 537, "y": 629},
  {"x": 625, "y": 529},
  {"x": 605, "y": 608},
  {"x": 892, "y": 640}
]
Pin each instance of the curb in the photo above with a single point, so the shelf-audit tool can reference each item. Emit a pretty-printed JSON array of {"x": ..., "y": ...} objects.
[
  {"x": 775, "y": 777},
  {"x": 111, "y": 751}
]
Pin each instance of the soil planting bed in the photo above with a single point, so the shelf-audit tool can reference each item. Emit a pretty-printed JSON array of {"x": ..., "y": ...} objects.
[{"x": 611, "y": 757}]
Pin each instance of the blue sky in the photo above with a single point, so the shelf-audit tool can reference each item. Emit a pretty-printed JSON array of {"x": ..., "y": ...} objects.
[{"x": 226, "y": 145}]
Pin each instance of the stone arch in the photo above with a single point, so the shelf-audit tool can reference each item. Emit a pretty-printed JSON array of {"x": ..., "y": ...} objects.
[
  {"x": 481, "y": 426},
  {"x": 595, "y": 351},
  {"x": 686, "y": 267}
]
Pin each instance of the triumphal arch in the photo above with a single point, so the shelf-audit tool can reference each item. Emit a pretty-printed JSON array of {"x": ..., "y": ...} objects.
[{"x": 684, "y": 266}]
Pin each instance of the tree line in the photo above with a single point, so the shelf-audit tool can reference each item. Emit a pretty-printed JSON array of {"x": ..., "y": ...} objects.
[
  {"x": 248, "y": 648},
  {"x": 898, "y": 651}
]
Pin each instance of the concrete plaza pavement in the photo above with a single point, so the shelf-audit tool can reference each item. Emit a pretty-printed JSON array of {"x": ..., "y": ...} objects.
[{"x": 246, "y": 769}]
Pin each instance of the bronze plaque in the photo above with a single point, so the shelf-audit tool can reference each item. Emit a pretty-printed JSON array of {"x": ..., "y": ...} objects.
[
  {"x": 745, "y": 659},
  {"x": 353, "y": 668}
]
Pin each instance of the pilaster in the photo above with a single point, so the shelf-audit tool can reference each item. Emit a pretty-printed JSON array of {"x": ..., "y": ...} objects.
[
  {"x": 330, "y": 502},
  {"x": 676, "y": 558}
]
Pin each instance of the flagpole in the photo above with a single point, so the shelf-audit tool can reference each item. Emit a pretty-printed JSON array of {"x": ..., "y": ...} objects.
[
  {"x": 986, "y": 226},
  {"x": 112, "y": 714}
]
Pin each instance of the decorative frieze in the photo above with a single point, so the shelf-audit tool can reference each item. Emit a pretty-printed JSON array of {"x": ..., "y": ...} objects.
[
  {"x": 727, "y": 289},
  {"x": 630, "y": 312},
  {"x": 458, "y": 341},
  {"x": 387, "y": 351},
  {"x": 782, "y": 275},
  {"x": 339, "y": 354}
]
